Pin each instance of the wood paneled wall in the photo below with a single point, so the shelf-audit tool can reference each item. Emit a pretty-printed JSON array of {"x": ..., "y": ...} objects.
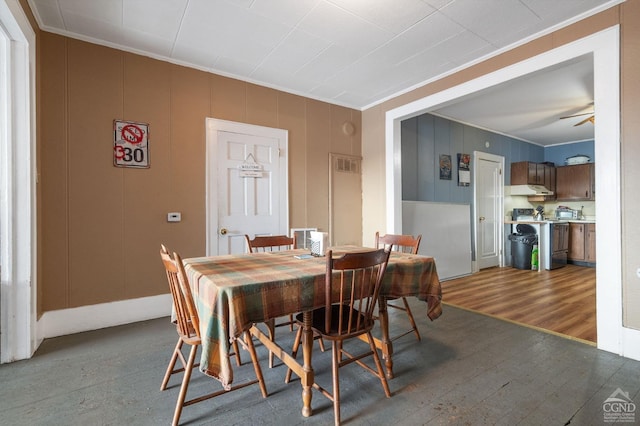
[{"x": 101, "y": 226}]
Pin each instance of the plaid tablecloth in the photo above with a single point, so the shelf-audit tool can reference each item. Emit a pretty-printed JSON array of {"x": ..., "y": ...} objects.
[{"x": 232, "y": 292}]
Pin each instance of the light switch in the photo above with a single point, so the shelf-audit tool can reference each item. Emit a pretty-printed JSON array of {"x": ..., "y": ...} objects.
[{"x": 174, "y": 217}]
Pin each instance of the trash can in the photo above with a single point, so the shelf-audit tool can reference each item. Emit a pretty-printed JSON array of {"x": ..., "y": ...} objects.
[{"x": 522, "y": 244}]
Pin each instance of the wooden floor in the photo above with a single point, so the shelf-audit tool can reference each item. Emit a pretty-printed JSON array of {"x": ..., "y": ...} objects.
[{"x": 562, "y": 300}]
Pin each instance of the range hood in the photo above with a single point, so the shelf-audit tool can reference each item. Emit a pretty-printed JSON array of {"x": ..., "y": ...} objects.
[{"x": 530, "y": 190}]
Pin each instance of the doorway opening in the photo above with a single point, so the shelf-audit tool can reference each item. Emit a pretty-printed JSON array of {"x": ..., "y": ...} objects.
[{"x": 604, "y": 46}]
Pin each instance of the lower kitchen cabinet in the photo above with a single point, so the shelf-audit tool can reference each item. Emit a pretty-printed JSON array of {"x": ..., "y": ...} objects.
[
  {"x": 576, "y": 241},
  {"x": 590, "y": 243},
  {"x": 582, "y": 243}
]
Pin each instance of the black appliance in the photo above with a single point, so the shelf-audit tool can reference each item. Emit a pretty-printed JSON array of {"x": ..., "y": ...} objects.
[{"x": 558, "y": 245}]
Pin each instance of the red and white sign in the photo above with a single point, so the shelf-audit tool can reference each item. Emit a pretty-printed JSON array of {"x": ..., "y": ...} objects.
[{"x": 130, "y": 144}]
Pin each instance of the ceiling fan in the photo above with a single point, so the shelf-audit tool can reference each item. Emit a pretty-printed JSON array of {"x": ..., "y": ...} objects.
[{"x": 591, "y": 118}]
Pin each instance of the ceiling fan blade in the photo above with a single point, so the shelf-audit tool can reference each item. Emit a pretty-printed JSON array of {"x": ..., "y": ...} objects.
[
  {"x": 576, "y": 115},
  {"x": 592, "y": 119}
]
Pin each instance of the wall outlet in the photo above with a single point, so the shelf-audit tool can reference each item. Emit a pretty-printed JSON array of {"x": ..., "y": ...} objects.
[{"x": 174, "y": 217}]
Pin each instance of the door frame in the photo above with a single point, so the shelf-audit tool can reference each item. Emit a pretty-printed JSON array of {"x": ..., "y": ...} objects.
[
  {"x": 479, "y": 155},
  {"x": 605, "y": 48},
  {"x": 213, "y": 126},
  {"x": 18, "y": 248}
]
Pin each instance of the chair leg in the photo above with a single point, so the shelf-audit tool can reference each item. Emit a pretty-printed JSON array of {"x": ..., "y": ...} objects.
[
  {"x": 290, "y": 322},
  {"x": 185, "y": 384},
  {"x": 236, "y": 350},
  {"x": 336, "y": 356},
  {"x": 294, "y": 352},
  {"x": 172, "y": 364},
  {"x": 381, "y": 373},
  {"x": 271, "y": 327},
  {"x": 411, "y": 320},
  {"x": 256, "y": 366},
  {"x": 321, "y": 342}
]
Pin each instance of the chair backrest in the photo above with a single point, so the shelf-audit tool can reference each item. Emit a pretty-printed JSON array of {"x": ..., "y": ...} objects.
[
  {"x": 356, "y": 278},
  {"x": 396, "y": 242},
  {"x": 270, "y": 243},
  {"x": 186, "y": 314}
]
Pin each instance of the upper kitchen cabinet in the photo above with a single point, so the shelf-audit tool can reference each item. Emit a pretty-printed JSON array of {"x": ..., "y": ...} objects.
[
  {"x": 529, "y": 173},
  {"x": 576, "y": 182}
]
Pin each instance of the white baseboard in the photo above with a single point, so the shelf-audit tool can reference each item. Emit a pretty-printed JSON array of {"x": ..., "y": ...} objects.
[{"x": 94, "y": 317}]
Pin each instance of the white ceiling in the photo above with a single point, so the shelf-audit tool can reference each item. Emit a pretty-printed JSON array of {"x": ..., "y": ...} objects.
[
  {"x": 354, "y": 53},
  {"x": 529, "y": 108}
]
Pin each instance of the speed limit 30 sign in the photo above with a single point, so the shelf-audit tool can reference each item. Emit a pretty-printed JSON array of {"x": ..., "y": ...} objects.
[{"x": 130, "y": 144}]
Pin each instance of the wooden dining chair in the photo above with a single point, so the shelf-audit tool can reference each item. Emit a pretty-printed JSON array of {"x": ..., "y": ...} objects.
[
  {"x": 177, "y": 351},
  {"x": 356, "y": 279},
  {"x": 405, "y": 244},
  {"x": 188, "y": 326},
  {"x": 263, "y": 243},
  {"x": 272, "y": 243}
]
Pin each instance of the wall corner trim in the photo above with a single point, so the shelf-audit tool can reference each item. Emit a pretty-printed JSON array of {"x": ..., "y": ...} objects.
[
  {"x": 630, "y": 339},
  {"x": 94, "y": 317}
]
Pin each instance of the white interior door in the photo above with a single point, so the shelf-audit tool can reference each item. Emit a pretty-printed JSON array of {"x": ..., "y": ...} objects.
[
  {"x": 246, "y": 184},
  {"x": 488, "y": 189}
]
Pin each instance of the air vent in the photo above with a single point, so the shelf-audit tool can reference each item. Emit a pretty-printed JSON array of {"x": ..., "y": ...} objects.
[{"x": 346, "y": 164}]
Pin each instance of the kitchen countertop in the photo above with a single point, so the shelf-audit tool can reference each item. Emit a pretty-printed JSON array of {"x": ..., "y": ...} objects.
[
  {"x": 533, "y": 222},
  {"x": 510, "y": 221}
]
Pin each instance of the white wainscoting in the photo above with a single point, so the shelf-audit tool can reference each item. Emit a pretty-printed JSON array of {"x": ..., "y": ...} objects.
[{"x": 446, "y": 234}]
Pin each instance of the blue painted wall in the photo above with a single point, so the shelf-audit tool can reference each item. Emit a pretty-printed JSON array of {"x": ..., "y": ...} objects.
[
  {"x": 559, "y": 153},
  {"x": 426, "y": 137}
]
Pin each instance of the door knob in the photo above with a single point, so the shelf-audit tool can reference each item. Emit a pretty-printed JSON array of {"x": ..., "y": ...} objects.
[
  {"x": 481, "y": 218},
  {"x": 223, "y": 231}
]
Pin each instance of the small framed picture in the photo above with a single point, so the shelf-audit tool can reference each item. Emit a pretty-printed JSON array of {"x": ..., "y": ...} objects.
[{"x": 445, "y": 167}]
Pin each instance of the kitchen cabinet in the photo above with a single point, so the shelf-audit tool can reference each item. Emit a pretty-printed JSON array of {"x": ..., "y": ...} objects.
[
  {"x": 549, "y": 181},
  {"x": 520, "y": 173},
  {"x": 529, "y": 173},
  {"x": 575, "y": 183},
  {"x": 590, "y": 243},
  {"x": 576, "y": 242},
  {"x": 582, "y": 242}
]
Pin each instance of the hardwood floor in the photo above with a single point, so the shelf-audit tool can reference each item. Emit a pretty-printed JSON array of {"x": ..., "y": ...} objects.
[{"x": 562, "y": 301}]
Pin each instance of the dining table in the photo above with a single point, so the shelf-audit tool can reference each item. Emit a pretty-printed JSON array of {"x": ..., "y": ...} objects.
[{"x": 235, "y": 292}]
